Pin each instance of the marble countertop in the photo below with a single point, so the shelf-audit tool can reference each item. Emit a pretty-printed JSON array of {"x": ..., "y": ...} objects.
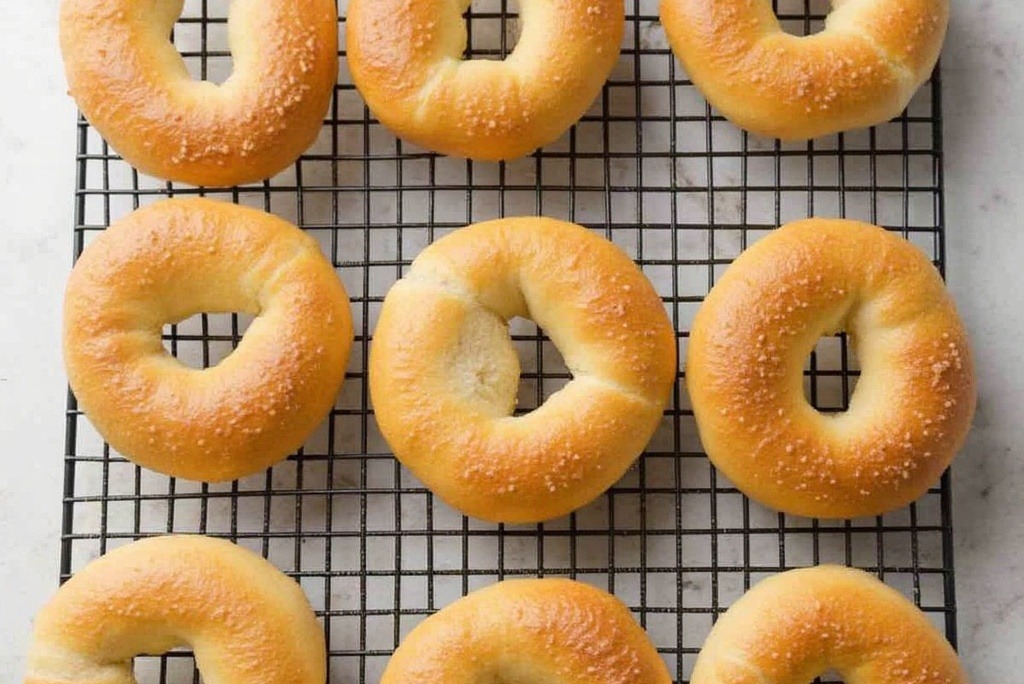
[{"x": 984, "y": 139}]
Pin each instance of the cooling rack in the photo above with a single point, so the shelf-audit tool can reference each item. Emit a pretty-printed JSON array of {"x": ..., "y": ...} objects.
[{"x": 652, "y": 168}]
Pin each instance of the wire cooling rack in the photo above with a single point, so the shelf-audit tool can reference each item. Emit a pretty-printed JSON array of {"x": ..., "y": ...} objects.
[{"x": 652, "y": 168}]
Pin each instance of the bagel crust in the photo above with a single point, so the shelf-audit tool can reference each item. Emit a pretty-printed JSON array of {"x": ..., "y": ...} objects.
[
  {"x": 861, "y": 70},
  {"x": 167, "y": 262},
  {"x": 800, "y": 624},
  {"x": 912, "y": 406},
  {"x": 444, "y": 374},
  {"x": 406, "y": 60},
  {"x": 134, "y": 88},
  {"x": 537, "y": 630},
  {"x": 245, "y": 620}
]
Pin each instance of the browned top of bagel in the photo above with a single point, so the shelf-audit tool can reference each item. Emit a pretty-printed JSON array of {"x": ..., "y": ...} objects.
[
  {"x": 176, "y": 258},
  {"x": 800, "y": 624},
  {"x": 406, "y": 60},
  {"x": 913, "y": 403},
  {"x": 861, "y": 70},
  {"x": 134, "y": 87},
  {"x": 546, "y": 630},
  {"x": 444, "y": 375},
  {"x": 246, "y": 621}
]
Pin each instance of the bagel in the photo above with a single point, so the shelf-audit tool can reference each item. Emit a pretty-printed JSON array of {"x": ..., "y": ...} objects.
[
  {"x": 406, "y": 60},
  {"x": 444, "y": 375},
  {"x": 800, "y": 624},
  {"x": 861, "y": 70},
  {"x": 912, "y": 406},
  {"x": 134, "y": 88},
  {"x": 171, "y": 260},
  {"x": 245, "y": 620},
  {"x": 539, "y": 630}
]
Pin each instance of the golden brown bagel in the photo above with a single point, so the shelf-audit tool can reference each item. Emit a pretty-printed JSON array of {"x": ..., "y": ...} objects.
[
  {"x": 134, "y": 88},
  {"x": 406, "y": 60},
  {"x": 176, "y": 258},
  {"x": 444, "y": 375},
  {"x": 911, "y": 409},
  {"x": 798, "y": 625},
  {"x": 861, "y": 70},
  {"x": 246, "y": 621},
  {"x": 541, "y": 630}
]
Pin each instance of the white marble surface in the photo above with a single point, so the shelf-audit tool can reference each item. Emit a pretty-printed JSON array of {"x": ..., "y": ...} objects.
[{"x": 984, "y": 133}]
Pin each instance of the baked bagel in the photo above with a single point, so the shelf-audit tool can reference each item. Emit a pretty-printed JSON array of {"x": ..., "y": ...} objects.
[
  {"x": 912, "y": 406},
  {"x": 861, "y": 70},
  {"x": 800, "y": 624},
  {"x": 444, "y": 374},
  {"x": 542, "y": 630},
  {"x": 406, "y": 60},
  {"x": 245, "y": 620},
  {"x": 133, "y": 86},
  {"x": 176, "y": 258}
]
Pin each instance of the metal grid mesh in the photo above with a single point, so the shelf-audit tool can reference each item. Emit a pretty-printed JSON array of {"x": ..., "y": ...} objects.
[{"x": 652, "y": 168}]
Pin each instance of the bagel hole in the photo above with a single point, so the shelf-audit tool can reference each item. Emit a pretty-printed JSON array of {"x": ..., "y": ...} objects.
[
  {"x": 492, "y": 28},
  {"x": 177, "y": 665},
  {"x": 205, "y": 339},
  {"x": 542, "y": 366},
  {"x": 831, "y": 372},
  {"x": 802, "y": 17},
  {"x": 201, "y": 38}
]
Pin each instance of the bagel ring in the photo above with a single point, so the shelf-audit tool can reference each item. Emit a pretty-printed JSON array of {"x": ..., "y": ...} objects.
[
  {"x": 176, "y": 258},
  {"x": 444, "y": 374},
  {"x": 245, "y": 620},
  {"x": 406, "y": 60},
  {"x": 800, "y": 624},
  {"x": 861, "y": 70},
  {"x": 538, "y": 630},
  {"x": 134, "y": 88},
  {"x": 912, "y": 406}
]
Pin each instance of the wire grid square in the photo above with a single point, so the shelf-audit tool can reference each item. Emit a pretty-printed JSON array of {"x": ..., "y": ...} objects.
[{"x": 651, "y": 167}]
